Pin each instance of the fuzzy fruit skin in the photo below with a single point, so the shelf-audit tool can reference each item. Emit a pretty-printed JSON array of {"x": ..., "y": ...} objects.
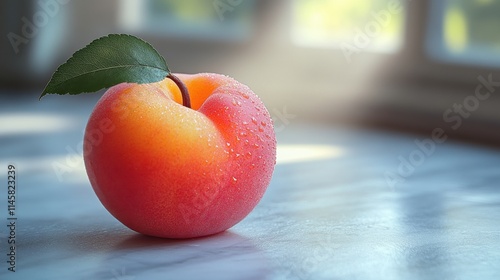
[{"x": 166, "y": 170}]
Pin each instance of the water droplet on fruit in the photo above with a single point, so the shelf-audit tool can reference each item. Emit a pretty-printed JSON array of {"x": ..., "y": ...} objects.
[
  {"x": 239, "y": 103},
  {"x": 234, "y": 102},
  {"x": 254, "y": 120},
  {"x": 237, "y": 138},
  {"x": 243, "y": 133},
  {"x": 246, "y": 142},
  {"x": 228, "y": 144},
  {"x": 232, "y": 150},
  {"x": 238, "y": 155},
  {"x": 256, "y": 145},
  {"x": 234, "y": 180},
  {"x": 245, "y": 123},
  {"x": 252, "y": 166}
]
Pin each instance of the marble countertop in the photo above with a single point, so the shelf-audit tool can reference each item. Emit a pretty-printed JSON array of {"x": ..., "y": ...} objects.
[{"x": 330, "y": 212}]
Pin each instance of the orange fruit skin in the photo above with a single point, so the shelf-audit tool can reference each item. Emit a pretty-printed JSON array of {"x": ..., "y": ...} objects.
[{"x": 166, "y": 170}]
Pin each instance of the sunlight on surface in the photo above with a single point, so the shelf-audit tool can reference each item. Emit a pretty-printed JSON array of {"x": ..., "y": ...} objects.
[
  {"x": 309, "y": 152},
  {"x": 27, "y": 123},
  {"x": 67, "y": 168}
]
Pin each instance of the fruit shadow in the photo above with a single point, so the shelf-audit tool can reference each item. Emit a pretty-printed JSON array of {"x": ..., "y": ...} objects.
[
  {"x": 226, "y": 253},
  {"x": 107, "y": 250}
]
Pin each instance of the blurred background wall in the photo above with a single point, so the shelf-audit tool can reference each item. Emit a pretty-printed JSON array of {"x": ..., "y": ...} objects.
[{"x": 395, "y": 63}]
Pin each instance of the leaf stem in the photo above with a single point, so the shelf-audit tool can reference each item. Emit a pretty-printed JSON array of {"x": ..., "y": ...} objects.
[{"x": 186, "y": 101}]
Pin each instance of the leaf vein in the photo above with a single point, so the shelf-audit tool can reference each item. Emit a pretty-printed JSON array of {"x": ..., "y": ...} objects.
[{"x": 109, "y": 68}]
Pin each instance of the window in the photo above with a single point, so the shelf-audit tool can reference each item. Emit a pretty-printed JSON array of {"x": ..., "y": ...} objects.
[
  {"x": 465, "y": 31},
  {"x": 373, "y": 25},
  {"x": 200, "y": 19}
]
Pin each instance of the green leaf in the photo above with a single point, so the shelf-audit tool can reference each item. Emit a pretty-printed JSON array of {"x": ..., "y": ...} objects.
[{"x": 106, "y": 62}]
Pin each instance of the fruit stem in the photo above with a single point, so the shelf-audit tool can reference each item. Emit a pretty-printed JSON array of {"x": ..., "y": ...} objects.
[{"x": 186, "y": 101}]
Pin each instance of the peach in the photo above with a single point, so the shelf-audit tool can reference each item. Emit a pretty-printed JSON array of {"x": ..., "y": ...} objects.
[{"x": 167, "y": 170}]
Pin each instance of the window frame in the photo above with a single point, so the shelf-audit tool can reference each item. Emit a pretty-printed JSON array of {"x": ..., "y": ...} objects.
[{"x": 435, "y": 46}]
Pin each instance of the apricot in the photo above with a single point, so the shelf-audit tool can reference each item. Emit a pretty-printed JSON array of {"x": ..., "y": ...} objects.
[{"x": 167, "y": 170}]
